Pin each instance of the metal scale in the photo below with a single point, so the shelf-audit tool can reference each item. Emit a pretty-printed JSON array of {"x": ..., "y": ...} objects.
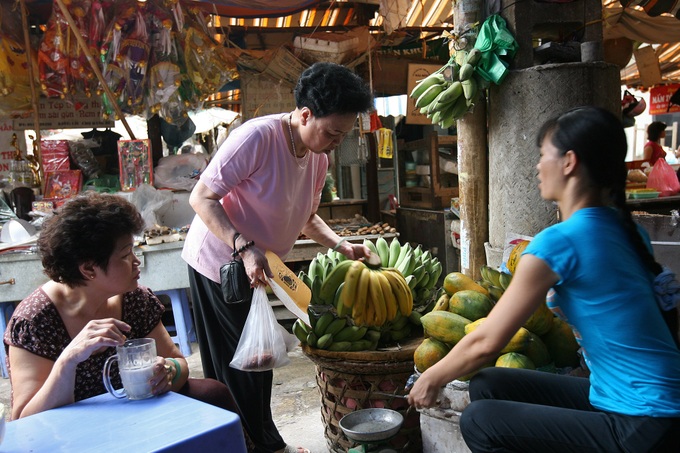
[{"x": 371, "y": 428}]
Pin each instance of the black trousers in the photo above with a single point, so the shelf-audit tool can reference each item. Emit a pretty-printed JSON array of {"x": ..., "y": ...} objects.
[
  {"x": 515, "y": 410},
  {"x": 218, "y": 330}
]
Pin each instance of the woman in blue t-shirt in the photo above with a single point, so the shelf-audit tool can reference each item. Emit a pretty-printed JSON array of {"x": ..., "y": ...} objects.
[{"x": 606, "y": 285}]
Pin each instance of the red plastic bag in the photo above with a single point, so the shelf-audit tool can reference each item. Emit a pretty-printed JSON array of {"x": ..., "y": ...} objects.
[{"x": 663, "y": 178}]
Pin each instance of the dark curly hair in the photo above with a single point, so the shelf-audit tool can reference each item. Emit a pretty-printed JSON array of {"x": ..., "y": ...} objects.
[
  {"x": 329, "y": 88},
  {"x": 654, "y": 130},
  {"x": 84, "y": 230}
]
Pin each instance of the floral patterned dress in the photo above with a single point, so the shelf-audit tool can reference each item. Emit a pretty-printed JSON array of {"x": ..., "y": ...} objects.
[{"x": 37, "y": 327}]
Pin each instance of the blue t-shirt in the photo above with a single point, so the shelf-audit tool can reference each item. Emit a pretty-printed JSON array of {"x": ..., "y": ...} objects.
[{"x": 605, "y": 294}]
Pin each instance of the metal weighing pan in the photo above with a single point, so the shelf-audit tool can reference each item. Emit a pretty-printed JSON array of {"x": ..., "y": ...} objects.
[{"x": 371, "y": 425}]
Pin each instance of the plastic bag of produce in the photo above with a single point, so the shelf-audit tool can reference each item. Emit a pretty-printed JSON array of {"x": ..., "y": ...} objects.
[{"x": 261, "y": 347}]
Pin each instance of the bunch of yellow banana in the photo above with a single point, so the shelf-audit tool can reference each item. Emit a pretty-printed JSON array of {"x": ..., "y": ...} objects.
[
  {"x": 371, "y": 297},
  {"x": 447, "y": 94},
  {"x": 419, "y": 267}
]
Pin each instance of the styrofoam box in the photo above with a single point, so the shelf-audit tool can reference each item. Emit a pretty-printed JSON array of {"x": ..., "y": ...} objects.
[{"x": 332, "y": 47}]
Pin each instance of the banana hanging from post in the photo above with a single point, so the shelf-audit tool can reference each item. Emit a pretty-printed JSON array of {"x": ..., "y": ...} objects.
[{"x": 423, "y": 84}]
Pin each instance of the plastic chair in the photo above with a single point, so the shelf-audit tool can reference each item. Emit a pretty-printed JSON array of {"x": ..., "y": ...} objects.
[
  {"x": 183, "y": 329},
  {"x": 6, "y": 310}
]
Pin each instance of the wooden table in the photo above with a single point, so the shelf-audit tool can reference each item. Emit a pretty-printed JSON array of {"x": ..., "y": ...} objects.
[
  {"x": 167, "y": 423},
  {"x": 661, "y": 205}
]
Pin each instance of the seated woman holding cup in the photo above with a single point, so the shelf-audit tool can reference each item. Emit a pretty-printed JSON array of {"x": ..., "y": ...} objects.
[{"x": 60, "y": 336}]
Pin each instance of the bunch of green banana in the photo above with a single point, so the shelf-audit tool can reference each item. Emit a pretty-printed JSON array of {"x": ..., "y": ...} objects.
[
  {"x": 396, "y": 330},
  {"x": 495, "y": 281},
  {"x": 321, "y": 266},
  {"x": 447, "y": 94},
  {"x": 334, "y": 334}
]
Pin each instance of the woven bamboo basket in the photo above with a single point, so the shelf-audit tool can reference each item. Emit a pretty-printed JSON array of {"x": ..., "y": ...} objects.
[{"x": 348, "y": 381}]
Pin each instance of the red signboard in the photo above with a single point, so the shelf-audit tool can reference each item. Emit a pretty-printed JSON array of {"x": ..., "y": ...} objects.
[{"x": 658, "y": 99}]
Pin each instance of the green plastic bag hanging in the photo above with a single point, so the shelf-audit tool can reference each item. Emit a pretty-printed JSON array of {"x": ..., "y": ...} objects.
[{"x": 496, "y": 44}]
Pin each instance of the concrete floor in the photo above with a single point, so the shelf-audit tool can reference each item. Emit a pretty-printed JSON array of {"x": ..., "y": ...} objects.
[{"x": 296, "y": 404}]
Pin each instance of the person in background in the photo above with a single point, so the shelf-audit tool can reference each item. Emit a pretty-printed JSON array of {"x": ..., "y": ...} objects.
[
  {"x": 652, "y": 150},
  {"x": 606, "y": 284},
  {"x": 59, "y": 337},
  {"x": 260, "y": 190}
]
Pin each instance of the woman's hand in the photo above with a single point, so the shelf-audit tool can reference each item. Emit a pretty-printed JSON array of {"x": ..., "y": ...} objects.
[
  {"x": 163, "y": 373},
  {"x": 424, "y": 393},
  {"x": 97, "y": 334},
  {"x": 257, "y": 266},
  {"x": 354, "y": 251}
]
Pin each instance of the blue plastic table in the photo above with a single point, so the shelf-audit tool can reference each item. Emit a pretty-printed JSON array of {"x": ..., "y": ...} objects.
[{"x": 168, "y": 423}]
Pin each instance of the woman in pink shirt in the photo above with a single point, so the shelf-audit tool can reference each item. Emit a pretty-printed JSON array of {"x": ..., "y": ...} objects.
[
  {"x": 264, "y": 186},
  {"x": 652, "y": 150}
]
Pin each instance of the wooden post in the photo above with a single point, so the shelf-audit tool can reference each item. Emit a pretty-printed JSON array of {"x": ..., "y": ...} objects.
[{"x": 473, "y": 180}]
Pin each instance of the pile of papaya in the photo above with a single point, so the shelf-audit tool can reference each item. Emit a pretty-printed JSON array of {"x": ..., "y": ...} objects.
[{"x": 544, "y": 342}]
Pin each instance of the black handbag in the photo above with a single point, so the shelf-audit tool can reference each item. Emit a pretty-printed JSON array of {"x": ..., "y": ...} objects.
[{"x": 235, "y": 285}]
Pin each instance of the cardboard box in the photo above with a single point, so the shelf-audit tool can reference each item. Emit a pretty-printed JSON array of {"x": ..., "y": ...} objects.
[{"x": 648, "y": 66}]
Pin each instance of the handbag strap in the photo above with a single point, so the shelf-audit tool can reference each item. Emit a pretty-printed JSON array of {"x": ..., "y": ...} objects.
[{"x": 233, "y": 247}]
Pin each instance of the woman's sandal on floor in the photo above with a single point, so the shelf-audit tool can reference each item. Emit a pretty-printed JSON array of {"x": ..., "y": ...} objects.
[{"x": 291, "y": 449}]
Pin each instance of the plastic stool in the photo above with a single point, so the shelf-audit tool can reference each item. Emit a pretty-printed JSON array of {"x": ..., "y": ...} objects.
[
  {"x": 184, "y": 326},
  {"x": 6, "y": 310}
]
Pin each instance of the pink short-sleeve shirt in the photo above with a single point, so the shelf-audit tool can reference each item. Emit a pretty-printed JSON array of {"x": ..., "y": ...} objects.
[{"x": 265, "y": 193}]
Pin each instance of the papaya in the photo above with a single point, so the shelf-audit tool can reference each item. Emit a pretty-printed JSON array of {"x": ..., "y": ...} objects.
[
  {"x": 561, "y": 344},
  {"x": 444, "y": 326},
  {"x": 429, "y": 352},
  {"x": 457, "y": 281},
  {"x": 442, "y": 303},
  {"x": 473, "y": 325},
  {"x": 515, "y": 255},
  {"x": 515, "y": 360},
  {"x": 537, "y": 351},
  {"x": 518, "y": 343},
  {"x": 540, "y": 321},
  {"x": 470, "y": 304}
]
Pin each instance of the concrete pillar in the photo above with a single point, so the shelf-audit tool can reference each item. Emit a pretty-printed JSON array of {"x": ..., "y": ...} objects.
[{"x": 517, "y": 109}]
